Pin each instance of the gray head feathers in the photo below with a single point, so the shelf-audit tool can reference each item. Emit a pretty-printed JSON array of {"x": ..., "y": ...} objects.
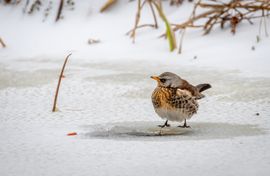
[{"x": 168, "y": 79}]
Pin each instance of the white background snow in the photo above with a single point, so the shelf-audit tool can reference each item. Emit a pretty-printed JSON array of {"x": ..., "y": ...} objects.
[{"x": 105, "y": 96}]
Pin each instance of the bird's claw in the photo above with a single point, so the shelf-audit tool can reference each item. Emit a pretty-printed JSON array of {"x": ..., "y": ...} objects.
[
  {"x": 162, "y": 126},
  {"x": 184, "y": 126}
]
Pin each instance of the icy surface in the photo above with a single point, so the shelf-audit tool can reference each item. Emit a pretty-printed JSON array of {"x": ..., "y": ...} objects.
[{"x": 109, "y": 106}]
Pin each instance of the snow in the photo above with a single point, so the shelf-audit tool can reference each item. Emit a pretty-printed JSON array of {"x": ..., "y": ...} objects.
[{"x": 105, "y": 97}]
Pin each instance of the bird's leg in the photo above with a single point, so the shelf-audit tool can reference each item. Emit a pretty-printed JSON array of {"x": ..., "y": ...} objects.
[
  {"x": 165, "y": 124},
  {"x": 185, "y": 125}
]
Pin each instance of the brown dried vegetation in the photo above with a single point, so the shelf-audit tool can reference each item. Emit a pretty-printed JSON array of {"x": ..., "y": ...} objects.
[
  {"x": 220, "y": 13},
  {"x": 2, "y": 43}
]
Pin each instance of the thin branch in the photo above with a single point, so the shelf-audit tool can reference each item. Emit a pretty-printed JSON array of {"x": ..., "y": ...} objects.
[
  {"x": 189, "y": 23},
  {"x": 59, "y": 82},
  {"x": 154, "y": 14},
  {"x": 2, "y": 43},
  {"x": 137, "y": 19},
  {"x": 181, "y": 41},
  {"x": 265, "y": 25},
  {"x": 141, "y": 26},
  {"x": 217, "y": 12},
  {"x": 236, "y": 5},
  {"x": 59, "y": 10},
  {"x": 108, "y": 4},
  {"x": 220, "y": 13}
]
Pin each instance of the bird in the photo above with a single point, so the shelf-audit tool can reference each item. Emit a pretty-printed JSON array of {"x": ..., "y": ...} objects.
[{"x": 175, "y": 99}]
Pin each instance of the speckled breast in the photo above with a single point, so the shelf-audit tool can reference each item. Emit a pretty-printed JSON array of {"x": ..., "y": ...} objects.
[{"x": 174, "y": 104}]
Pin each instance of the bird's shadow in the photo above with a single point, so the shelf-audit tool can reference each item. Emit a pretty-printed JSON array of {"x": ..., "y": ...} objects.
[{"x": 150, "y": 131}]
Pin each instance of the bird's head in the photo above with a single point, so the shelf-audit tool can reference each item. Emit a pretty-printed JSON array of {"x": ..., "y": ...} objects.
[{"x": 168, "y": 79}]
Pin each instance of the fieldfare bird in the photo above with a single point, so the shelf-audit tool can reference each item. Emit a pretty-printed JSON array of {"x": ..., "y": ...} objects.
[{"x": 175, "y": 99}]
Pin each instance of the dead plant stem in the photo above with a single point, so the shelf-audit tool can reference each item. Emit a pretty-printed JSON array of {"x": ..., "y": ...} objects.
[{"x": 59, "y": 82}]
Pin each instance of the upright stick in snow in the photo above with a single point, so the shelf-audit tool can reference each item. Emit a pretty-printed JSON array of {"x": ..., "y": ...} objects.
[
  {"x": 59, "y": 82},
  {"x": 59, "y": 10},
  {"x": 2, "y": 43}
]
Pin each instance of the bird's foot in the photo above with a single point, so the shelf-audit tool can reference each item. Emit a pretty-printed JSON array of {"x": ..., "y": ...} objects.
[
  {"x": 162, "y": 126},
  {"x": 184, "y": 126},
  {"x": 165, "y": 124}
]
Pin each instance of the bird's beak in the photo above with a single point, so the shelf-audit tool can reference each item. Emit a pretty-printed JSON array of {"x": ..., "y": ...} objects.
[{"x": 155, "y": 78}]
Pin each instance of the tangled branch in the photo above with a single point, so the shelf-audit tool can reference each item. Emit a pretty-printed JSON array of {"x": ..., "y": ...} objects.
[
  {"x": 154, "y": 5},
  {"x": 220, "y": 13}
]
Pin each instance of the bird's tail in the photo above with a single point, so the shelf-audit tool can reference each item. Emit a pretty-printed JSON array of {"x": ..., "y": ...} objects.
[{"x": 203, "y": 87}]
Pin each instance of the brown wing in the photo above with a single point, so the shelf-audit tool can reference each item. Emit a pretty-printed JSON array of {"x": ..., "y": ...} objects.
[
  {"x": 192, "y": 89},
  {"x": 183, "y": 101}
]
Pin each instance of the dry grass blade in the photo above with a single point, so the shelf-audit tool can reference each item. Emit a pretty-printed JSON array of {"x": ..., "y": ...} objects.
[
  {"x": 59, "y": 82},
  {"x": 138, "y": 16},
  {"x": 153, "y": 13},
  {"x": 2, "y": 43},
  {"x": 107, "y": 5},
  {"x": 59, "y": 12},
  {"x": 141, "y": 26},
  {"x": 190, "y": 23},
  {"x": 181, "y": 41},
  {"x": 235, "y": 4}
]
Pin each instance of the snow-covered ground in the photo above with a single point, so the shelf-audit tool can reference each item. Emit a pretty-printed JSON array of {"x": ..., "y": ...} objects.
[{"x": 105, "y": 97}]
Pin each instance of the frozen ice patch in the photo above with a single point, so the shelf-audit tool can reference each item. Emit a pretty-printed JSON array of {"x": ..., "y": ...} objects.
[
  {"x": 24, "y": 79},
  {"x": 132, "y": 129},
  {"x": 150, "y": 131}
]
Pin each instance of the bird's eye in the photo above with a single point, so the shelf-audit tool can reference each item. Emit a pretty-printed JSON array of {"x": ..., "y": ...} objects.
[{"x": 163, "y": 80}]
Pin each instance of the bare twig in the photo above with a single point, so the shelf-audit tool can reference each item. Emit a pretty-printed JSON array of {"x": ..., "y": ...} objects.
[
  {"x": 59, "y": 82},
  {"x": 108, "y": 4},
  {"x": 181, "y": 40},
  {"x": 2, "y": 43},
  {"x": 214, "y": 12},
  {"x": 265, "y": 26},
  {"x": 137, "y": 19},
  {"x": 184, "y": 29},
  {"x": 234, "y": 5},
  {"x": 189, "y": 23},
  {"x": 141, "y": 26},
  {"x": 153, "y": 13},
  {"x": 233, "y": 12},
  {"x": 59, "y": 12}
]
